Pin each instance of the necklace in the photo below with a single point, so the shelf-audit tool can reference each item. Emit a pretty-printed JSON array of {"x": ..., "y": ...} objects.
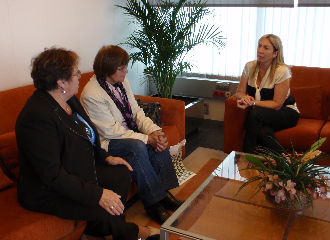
[{"x": 68, "y": 109}]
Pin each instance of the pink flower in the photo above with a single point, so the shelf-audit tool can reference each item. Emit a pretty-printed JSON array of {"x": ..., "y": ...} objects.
[
  {"x": 323, "y": 196},
  {"x": 277, "y": 199},
  {"x": 323, "y": 177},
  {"x": 290, "y": 184},
  {"x": 315, "y": 195},
  {"x": 290, "y": 187},
  {"x": 280, "y": 196},
  {"x": 269, "y": 186},
  {"x": 273, "y": 177},
  {"x": 281, "y": 193},
  {"x": 309, "y": 190},
  {"x": 272, "y": 192},
  {"x": 287, "y": 157},
  {"x": 323, "y": 190}
]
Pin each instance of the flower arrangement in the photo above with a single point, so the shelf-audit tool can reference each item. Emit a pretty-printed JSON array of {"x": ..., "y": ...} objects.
[{"x": 290, "y": 180}]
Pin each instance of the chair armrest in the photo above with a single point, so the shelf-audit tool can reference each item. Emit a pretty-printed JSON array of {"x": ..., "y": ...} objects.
[
  {"x": 234, "y": 132},
  {"x": 173, "y": 112}
]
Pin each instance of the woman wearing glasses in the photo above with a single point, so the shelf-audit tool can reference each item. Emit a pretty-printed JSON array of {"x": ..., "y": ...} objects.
[
  {"x": 63, "y": 169},
  {"x": 126, "y": 132}
]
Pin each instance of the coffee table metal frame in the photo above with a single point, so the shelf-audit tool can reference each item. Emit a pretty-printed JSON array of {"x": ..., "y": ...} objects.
[{"x": 166, "y": 228}]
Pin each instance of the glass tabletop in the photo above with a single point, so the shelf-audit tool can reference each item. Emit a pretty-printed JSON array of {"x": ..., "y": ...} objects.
[{"x": 217, "y": 211}]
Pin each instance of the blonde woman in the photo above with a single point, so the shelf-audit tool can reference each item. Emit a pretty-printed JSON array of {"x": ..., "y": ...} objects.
[{"x": 264, "y": 88}]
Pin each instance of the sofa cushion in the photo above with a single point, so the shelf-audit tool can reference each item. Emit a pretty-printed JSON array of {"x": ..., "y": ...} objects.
[
  {"x": 5, "y": 182},
  {"x": 309, "y": 101},
  {"x": 19, "y": 223},
  {"x": 302, "y": 136},
  {"x": 8, "y": 155},
  {"x": 313, "y": 76},
  {"x": 172, "y": 134},
  {"x": 11, "y": 103}
]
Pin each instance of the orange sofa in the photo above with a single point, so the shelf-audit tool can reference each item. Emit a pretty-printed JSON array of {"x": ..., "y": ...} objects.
[
  {"x": 18, "y": 223},
  {"x": 311, "y": 88}
]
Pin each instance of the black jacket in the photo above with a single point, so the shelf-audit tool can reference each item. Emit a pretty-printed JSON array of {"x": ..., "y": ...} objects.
[{"x": 56, "y": 157}]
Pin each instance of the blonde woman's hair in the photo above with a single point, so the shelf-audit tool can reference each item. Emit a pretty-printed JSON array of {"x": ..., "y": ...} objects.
[{"x": 278, "y": 60}]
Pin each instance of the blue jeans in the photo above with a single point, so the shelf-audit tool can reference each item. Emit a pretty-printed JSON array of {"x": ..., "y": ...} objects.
[{"x": 152, "y": 171}]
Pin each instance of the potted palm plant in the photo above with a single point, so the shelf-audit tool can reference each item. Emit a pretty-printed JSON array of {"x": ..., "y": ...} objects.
[{"x": 166, "y": 32}]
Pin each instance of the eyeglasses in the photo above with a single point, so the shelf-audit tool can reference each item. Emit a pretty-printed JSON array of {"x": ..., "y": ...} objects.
[
  {"x": 77, "y": 74},
  {"x": 122, "y": 68}
]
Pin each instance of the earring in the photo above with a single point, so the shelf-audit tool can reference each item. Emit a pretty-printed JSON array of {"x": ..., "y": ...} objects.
[{"x": 63, "y": 91}]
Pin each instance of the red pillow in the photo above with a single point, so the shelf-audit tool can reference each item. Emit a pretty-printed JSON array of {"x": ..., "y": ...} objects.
[{"x": 309, "y": 101}]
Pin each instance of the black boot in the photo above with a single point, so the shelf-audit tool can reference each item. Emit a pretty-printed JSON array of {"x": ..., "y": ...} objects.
[
  {"x": 170, "y": 202},
  {"x": 154, "y": 237},
  {"x": 158, "y": 213}
]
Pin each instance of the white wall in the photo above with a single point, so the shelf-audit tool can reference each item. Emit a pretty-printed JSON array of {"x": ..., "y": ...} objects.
[{"x": 29, "y": 26}]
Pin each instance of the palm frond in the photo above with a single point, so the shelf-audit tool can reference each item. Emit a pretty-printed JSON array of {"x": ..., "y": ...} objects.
[
  {"x": 166, "y": 33},
  {"x": 250, "y": 180}
]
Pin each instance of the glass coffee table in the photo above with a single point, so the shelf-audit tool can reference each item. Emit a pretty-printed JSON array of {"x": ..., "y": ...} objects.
[{"x": 216, "y": 211}]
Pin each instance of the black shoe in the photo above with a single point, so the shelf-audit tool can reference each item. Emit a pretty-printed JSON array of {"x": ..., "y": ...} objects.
[
  {"x": 158, "y": 213},
  {"x": 171, "y": 203},
  {"x": 154, "y": 237}
]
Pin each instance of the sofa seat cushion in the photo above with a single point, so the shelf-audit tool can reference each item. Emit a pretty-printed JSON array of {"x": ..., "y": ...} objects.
[
  {"x": 302, "y": 136},
  {"x": 172, "y": 134},
  {"x": 18, "y": 223},
  {"x": 309, "y": 101},
  {"x": 325, "y": 132}
]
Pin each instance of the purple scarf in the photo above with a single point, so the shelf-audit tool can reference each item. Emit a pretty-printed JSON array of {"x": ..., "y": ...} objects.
[{"x": 125, "y": 107}]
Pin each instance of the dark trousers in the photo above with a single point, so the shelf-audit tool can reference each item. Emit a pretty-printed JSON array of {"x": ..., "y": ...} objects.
[
  {"x": 99, "y": 222},
  {"x": 261, "y": 123},
  {"x": 152, "y": 171}
]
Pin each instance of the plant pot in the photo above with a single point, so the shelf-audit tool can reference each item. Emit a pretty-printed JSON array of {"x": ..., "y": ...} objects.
[{"x": 299, "y": 203}]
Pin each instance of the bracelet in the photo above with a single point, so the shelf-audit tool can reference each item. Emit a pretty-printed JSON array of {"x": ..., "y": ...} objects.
[{"x": 254, "y": 103}]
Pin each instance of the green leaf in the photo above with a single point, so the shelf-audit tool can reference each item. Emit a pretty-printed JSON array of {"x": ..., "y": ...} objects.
[
  {"x": 250, "y": 180},
  {"x": 317, "y": 144},
  {"x": 255, "y": 161}
]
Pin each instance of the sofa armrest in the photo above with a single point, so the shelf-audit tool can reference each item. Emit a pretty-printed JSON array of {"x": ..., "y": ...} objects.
[
  {"x": 234, "y": 132},
  {"x": 173, "y": 112}
]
